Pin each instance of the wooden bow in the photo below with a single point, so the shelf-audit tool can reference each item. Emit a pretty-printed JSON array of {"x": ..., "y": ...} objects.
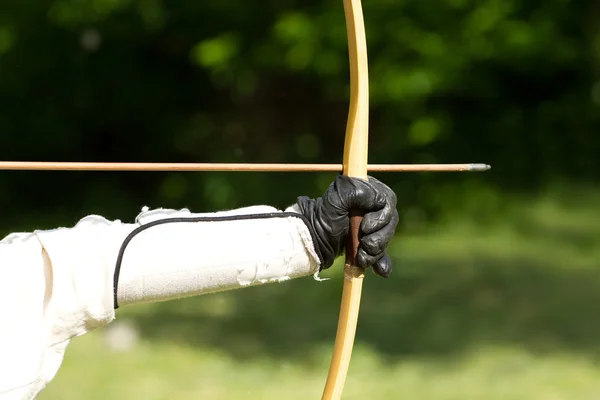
[{"x": 355, "y": 164}]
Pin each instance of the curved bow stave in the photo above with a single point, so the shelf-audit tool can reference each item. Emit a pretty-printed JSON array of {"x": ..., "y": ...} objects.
[{"x": 355, "y": 164}]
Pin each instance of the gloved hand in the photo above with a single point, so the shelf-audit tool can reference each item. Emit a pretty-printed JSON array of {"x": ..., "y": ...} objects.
[{"x": 329, "y": 217}]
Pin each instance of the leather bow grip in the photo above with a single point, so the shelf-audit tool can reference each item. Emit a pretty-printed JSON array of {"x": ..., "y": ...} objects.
[{"x": 353, "y": 240}]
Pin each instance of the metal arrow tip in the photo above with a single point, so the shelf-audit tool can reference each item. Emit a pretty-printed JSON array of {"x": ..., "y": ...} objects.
[{"x": 479, "y": 167}]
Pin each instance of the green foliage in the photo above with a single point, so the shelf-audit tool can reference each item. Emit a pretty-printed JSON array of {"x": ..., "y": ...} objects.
[
  {"x": 505, "y": 82},
  {"x": 215, "y": 53}
]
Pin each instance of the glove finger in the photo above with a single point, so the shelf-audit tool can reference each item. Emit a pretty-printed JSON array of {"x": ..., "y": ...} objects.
[
  {"x": 366, "y": 260},
  {"x": 358, "y": 194},
  {"x": 377, "y": 220},
  {"x": 381, "y": 264},
  {"x": 386, "y": 194},
  {"x": 383, "y": 267},
  {"x": 376, "y": 242}
]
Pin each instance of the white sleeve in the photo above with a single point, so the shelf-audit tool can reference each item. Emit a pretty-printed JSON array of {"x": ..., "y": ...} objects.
[{"x": 58, "y": 284}]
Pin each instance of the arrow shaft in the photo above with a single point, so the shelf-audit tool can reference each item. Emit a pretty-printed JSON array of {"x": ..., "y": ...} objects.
[{"x": 249, "y": 167}]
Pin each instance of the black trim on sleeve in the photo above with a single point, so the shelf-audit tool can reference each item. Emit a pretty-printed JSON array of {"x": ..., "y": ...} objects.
[{"x": 149, "y": 225}]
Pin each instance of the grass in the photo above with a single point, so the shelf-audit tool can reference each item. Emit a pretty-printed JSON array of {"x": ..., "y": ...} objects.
[{"x": 509, "y": 311}]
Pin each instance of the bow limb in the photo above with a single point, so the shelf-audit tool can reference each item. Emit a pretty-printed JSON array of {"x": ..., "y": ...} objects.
[{"x": 355, "y": 165}]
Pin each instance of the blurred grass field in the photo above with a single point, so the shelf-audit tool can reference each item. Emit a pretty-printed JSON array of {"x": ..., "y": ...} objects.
[{"x": 507, "y": 310}]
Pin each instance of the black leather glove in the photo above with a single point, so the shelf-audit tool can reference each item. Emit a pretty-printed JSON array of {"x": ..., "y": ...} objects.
[{"x": 329, "y": 217}]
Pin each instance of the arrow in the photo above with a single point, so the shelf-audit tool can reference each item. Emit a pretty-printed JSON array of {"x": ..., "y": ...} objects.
[{"x": 251, "y": 167}]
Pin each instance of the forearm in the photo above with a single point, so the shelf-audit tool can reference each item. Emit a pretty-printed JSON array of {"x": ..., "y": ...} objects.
[
  {"x": 60, "y": 283},
  {"x": 169, "y": 254},
  {"x": 184, "y": 254}
]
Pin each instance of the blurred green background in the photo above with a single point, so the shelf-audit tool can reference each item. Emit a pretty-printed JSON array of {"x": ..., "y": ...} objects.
[{"x": 496, "y": 287}]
